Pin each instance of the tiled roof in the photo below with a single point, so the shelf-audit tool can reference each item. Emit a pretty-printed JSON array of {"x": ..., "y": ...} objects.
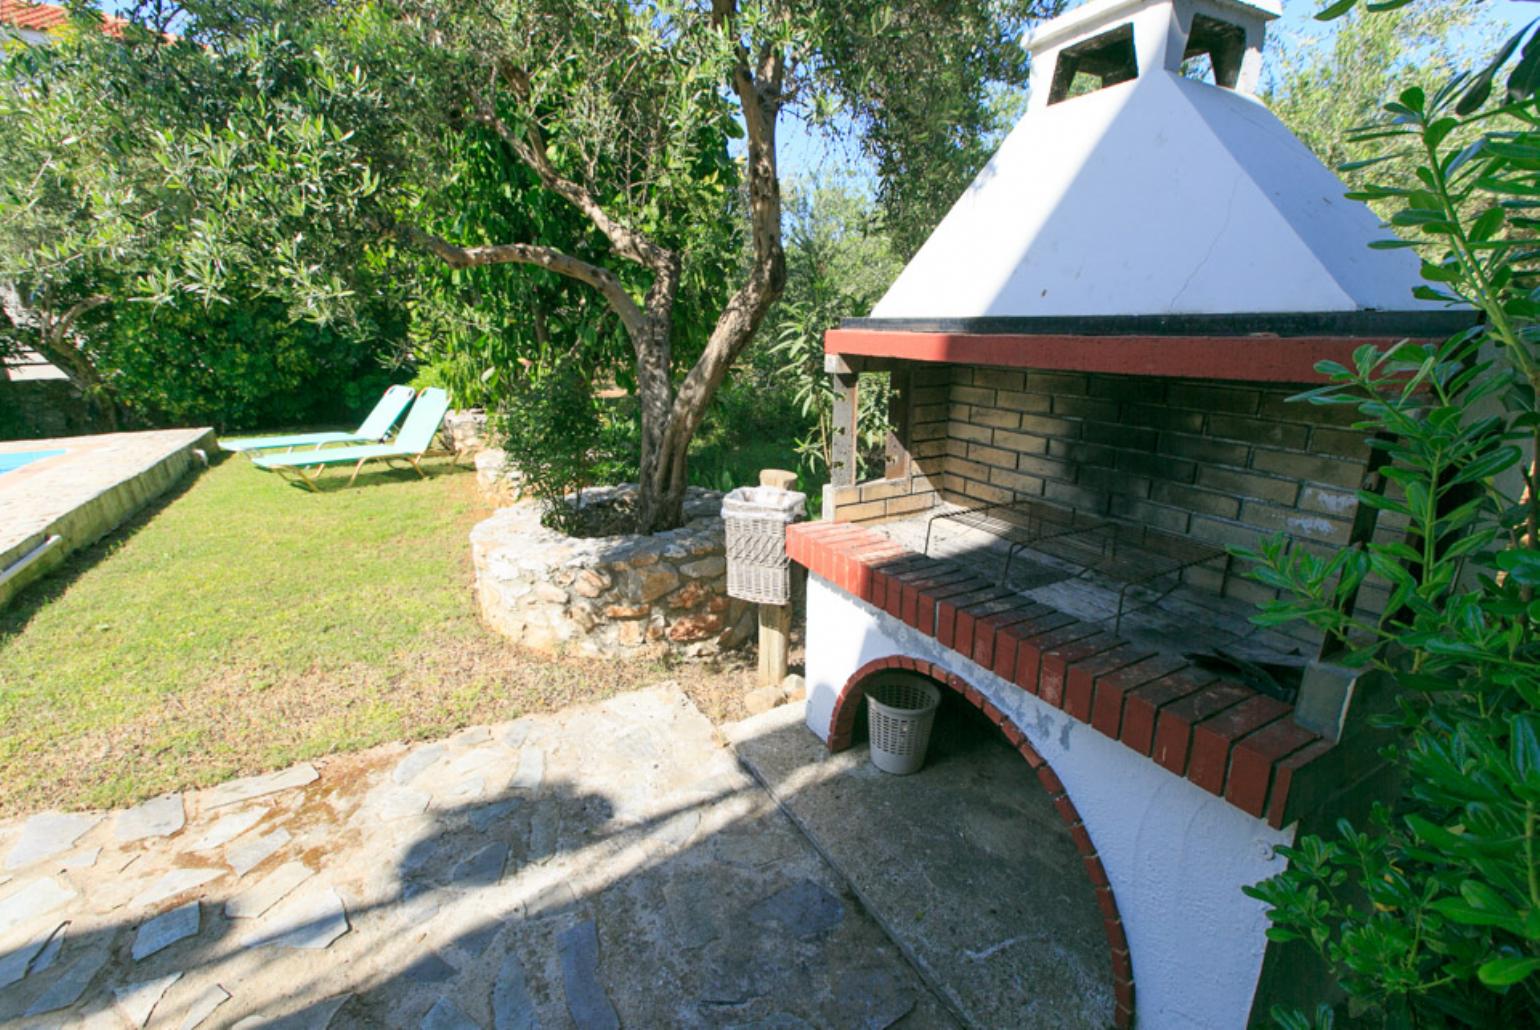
[
  {"x": 20, "y": 14},
  {"x": 39, "y": 17}
]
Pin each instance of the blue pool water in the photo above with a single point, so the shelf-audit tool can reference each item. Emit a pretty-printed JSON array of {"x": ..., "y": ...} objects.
[{"x": 17, "y": 460}]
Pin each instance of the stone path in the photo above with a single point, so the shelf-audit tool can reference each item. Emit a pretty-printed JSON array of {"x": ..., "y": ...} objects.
[{"x": 609, "y": 865}]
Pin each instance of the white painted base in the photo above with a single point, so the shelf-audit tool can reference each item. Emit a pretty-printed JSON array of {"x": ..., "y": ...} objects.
[{"x": 1176, "y": 855}]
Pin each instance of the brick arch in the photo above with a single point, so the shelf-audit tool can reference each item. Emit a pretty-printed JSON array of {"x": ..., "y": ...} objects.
[{"x": 842, "y": 726}]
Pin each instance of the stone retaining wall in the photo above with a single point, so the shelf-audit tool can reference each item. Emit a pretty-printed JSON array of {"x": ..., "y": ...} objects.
[
  {"x": 495, "y": 478},
  {"x": 466, "y": 430},
  {"x": 619, "y": 596}
]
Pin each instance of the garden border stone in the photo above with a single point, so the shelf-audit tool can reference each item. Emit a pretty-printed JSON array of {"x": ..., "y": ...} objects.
[{"x": 626, "y": 596}]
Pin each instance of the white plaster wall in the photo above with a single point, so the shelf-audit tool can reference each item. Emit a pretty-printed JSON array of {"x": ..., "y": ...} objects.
[
  {"x": 1176, "y": 855},
  {"x": 1155, "y": 196}
]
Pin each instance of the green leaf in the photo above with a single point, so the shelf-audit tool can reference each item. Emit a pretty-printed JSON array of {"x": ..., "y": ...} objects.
[
  {"x": 1466, "y": 914},
  {"x": 1486, "y": 226},
  {"x": 1433, "y": 834},
  {"x": 1435, "y": 133},
  {"x": 1522, "y": 566},
  {"x": 1335, "y": 10},
  {"x": 1526, "y": 74},
  {"x": 1504, "y": 972},
  {"x": 1447, "y": 273},
  {"x": 1524, "y": 746},
  {"x": 1480, "y": 87}
]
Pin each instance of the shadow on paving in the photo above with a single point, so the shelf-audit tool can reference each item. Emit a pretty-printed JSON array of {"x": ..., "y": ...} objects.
[
  {"x": 641, "y": 878},
  {"x": 965, "y": 863}
]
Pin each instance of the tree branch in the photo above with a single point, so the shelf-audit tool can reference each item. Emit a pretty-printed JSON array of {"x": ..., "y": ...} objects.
[
  {"x": 549, "y": 258},
  {"x": 66, "y": 321},
  {"x": 531, "y": 149},
  {"x": 759, "y": 95}
]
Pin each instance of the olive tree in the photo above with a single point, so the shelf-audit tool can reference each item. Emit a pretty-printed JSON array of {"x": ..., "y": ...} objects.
[
  {"x": 655, "y": 123},
  {"x": 136, "y": 254},
  {"x": 619, "y": 111}
]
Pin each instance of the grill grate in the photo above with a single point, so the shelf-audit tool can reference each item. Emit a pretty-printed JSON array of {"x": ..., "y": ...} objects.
[{"x": 1131, "y": 556}]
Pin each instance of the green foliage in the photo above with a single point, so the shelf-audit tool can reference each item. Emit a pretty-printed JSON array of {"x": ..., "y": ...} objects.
[
  {"x": 472, "y": 327},
  {"x": 574, "y": 165},
  {"x": 635, "y": 117},
  {"x": 1430, "y": 914},
  {"x": 1326, "y": 82},
  {"x": 552, "y": 428},
  {"x": 156, "y": 205},
  {"x": 239, "y": 365},
  {"x": 839, "y": 260}
]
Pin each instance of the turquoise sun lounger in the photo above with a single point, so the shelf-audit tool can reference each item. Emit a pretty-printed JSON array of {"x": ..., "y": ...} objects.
[
  {"x": 416, "y": 436},
  {"x": 374, "y": 429}
]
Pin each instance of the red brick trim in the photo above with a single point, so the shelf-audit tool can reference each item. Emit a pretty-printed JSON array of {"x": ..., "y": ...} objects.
[
  {"x": 842, "y": 726},
  {"x": 1219, "y": 734},
  {"x": 1246, "y": 358}
]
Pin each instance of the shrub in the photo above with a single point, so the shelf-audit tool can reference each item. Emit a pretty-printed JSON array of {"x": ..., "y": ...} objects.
[
  {"x": 1430, "y": 914},
  {"x": 553, "y": 432},
  {"x": 242, "y": 364}
]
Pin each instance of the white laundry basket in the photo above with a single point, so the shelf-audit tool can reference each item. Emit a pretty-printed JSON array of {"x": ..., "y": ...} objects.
[{"x": 900, "y": 711}]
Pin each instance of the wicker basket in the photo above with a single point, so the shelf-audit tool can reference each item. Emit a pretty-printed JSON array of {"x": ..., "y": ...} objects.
[{"x": 757, "y": 567}]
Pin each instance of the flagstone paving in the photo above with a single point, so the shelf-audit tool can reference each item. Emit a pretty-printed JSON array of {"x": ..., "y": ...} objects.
[{"x": 609, "y": 865}]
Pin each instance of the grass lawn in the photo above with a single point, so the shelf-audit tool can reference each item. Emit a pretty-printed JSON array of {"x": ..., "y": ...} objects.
[{"x": 245, "y": 624}]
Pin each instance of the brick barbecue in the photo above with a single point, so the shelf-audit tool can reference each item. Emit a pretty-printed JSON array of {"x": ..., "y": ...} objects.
[{"x": 1091, "y": 363}]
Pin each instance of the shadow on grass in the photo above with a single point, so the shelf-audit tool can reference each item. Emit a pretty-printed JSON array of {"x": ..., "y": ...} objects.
[
  {"x": 36, "y": 596},
  {"x": 337, "y": 479}
]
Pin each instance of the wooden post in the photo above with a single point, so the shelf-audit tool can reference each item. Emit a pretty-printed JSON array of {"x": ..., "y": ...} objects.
[
  {"x": 781, "y": 479},
  {"x": 842, "y": 446},
  {"x": 774, "y": 641},
  {"x": 842, "y": 469},
  {"x": 896, "y": 446},
  {"x": 774, "y": 619}
]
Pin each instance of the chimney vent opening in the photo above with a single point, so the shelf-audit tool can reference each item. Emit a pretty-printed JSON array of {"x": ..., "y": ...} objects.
[
  {"x": 1222, "y": 43},
  {"x": 1103, "y": 60}
]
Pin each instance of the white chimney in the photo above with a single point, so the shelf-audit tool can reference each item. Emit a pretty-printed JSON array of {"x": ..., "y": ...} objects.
[
  {"x": 1153, "y": 193},
  {"x": 1118, "y": 40}
]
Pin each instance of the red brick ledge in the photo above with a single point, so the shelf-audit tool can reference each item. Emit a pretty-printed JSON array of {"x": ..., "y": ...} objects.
[
  {"x": 1223, "y": 736},
  {"x": 1270, "y": 359},
  {"x": 842, "y": 726}
]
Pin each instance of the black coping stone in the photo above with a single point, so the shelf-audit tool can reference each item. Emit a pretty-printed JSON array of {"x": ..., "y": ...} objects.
[{"x": 1420, "y": 324}]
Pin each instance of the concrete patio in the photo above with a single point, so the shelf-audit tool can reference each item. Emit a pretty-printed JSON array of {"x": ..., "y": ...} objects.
[{"x": 965, "y": 864}]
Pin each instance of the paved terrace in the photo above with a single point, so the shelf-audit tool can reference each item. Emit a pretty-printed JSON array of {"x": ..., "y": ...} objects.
[{"x": 608, "y": 864}]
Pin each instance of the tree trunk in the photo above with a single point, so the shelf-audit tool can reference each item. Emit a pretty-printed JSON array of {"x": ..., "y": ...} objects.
[
  {"x": 655, "y": 396},
  {"x": 652, "y": 341},
  {"x": 663, "y": 483},
  {"x": 55, "y": 339},
  {"x": 669, "y": 418},
  {"x": 84, "y": 377}
]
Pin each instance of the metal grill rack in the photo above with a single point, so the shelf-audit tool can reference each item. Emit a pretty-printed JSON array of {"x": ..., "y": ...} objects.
[{"x": 1131, "y": 556}]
